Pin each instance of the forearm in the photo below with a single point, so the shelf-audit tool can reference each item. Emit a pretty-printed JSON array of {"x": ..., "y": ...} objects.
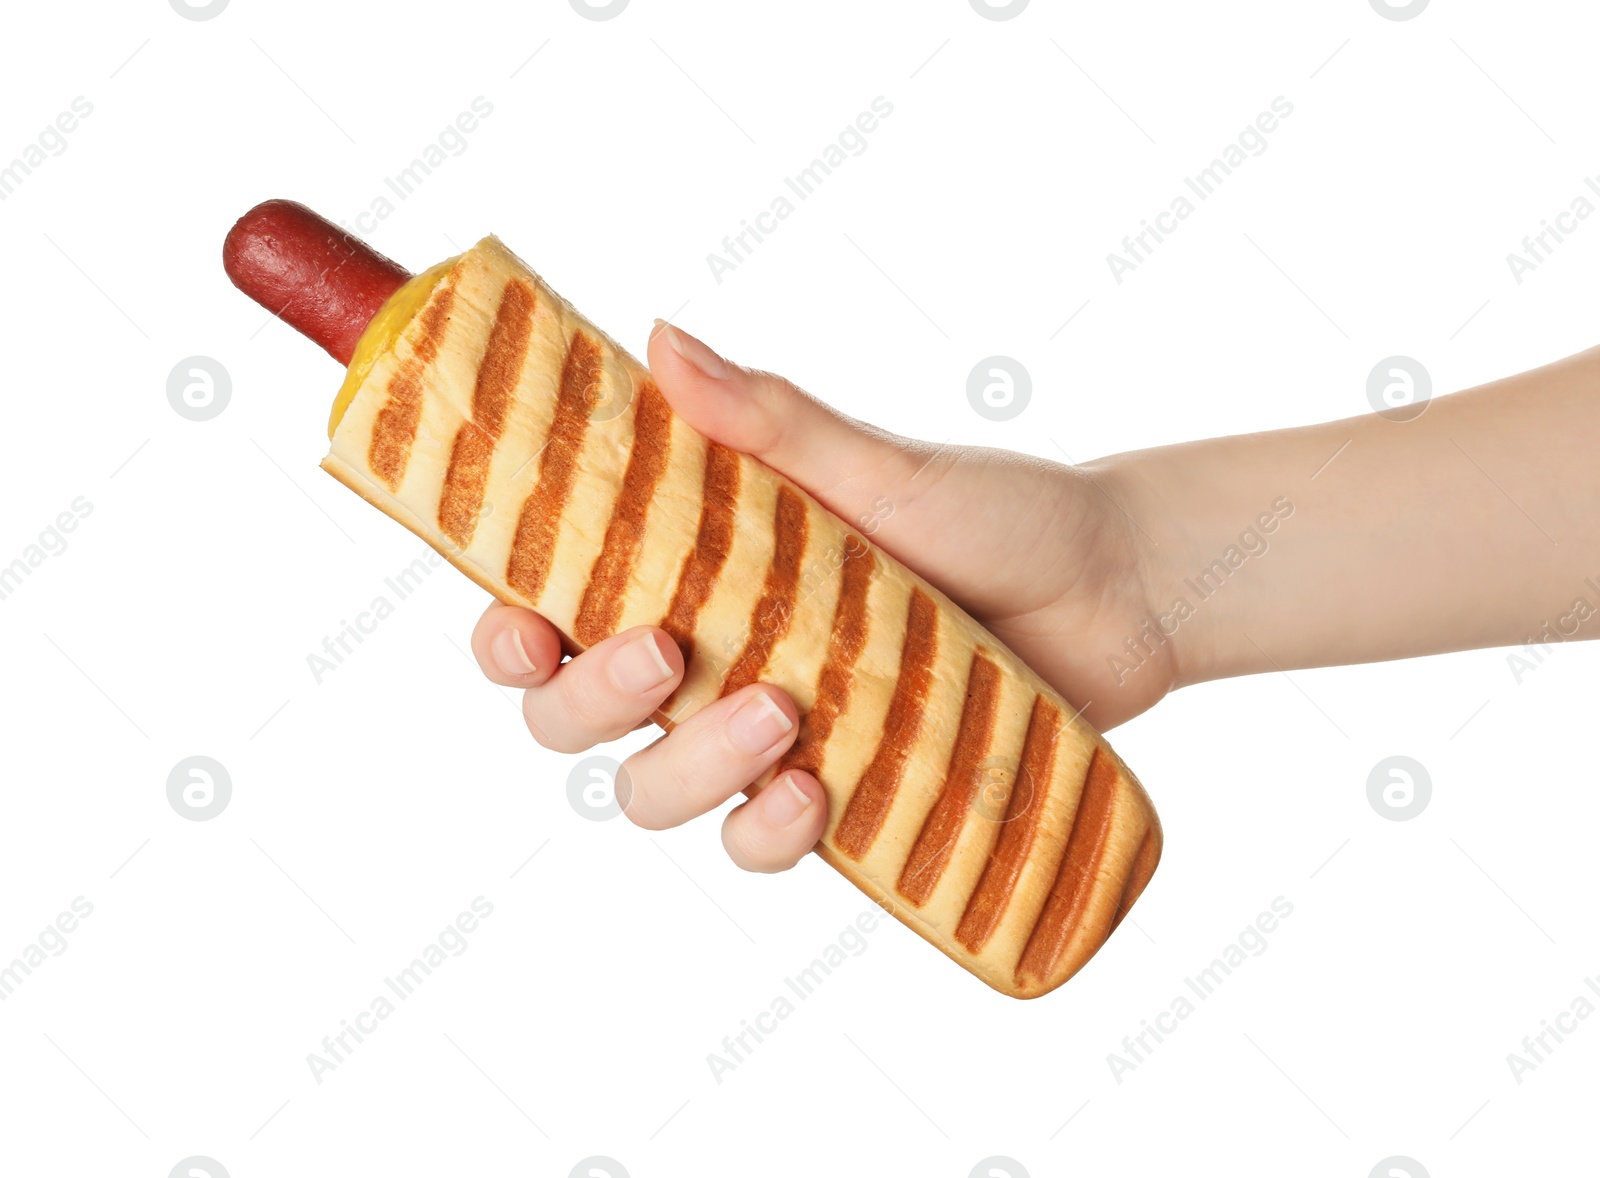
[{"x": 1472, "y": 525}]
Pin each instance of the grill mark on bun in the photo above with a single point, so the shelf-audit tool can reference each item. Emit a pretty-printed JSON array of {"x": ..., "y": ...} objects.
[
  {"x": 845, "y": 643},
  {"x": 498, "y": 375},
  {"x": 962, "y": 783},
  {"x": 988, "y": 901},
  {"x": 769, "y": 620},
  {"x": 874, "y": 793},
  {"x": 719, "y": 493},
  {"x": 394, "y": 430},
  {"x": 1144, "y": 866},
  {"x": 647, "y": 461},
  {"x": 1076, "y": 876},
  {"x": 531, "y": 551}
]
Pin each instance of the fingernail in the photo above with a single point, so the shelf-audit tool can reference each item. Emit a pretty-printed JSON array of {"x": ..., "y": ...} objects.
[
  {"x": 757, "y": 724},
  {"x": 639, "y": 666},
  {"x": 510, "y": 655},
  {"x": 695, "y": 352},
  {"x": 788, "y": 802}
]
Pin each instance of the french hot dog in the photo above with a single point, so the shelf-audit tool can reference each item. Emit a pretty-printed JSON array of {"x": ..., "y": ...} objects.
[{"x": 484, "y": 413}]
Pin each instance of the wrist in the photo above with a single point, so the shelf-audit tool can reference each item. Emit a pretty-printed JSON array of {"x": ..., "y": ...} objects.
[
  {"x": 1200, "y": 533},
  {"x": 1161, "y": 533}
]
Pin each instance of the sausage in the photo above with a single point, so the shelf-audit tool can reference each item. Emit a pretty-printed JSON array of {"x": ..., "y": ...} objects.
[{"x": 315, "y": 276}]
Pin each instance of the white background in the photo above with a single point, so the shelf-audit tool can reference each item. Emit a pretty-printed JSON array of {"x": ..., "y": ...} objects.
[{"x": 369, "y": 810}]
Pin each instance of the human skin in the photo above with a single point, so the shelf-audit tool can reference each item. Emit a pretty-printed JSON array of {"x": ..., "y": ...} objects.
[{"x": 1467, "y": 526}]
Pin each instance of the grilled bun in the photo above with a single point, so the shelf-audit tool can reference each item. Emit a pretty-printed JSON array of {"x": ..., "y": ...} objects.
[{"x": 965, "y": 795}]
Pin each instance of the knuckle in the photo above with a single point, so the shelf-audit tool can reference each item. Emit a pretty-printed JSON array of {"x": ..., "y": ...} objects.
[
  {"x": 583, "y": 702},
  {"x": 747, "y": 847},
  {"x": 642, "y": 808},
  {"x": 735, "y": 841},
  {"x": 557, "y": 741},
  {"x": 640, "y": 814},
  {"x": 669, "y": 786}
]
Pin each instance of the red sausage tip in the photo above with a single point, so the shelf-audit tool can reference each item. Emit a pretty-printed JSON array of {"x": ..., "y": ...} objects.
[{"x": 317, "y": 277}]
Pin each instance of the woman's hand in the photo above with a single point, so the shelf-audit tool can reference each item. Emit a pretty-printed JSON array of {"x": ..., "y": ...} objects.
[{"x": 1041, "y": 554}]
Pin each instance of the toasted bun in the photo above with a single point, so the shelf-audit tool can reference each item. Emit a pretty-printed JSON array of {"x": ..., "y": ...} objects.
[{"x": 965, "y": 795}]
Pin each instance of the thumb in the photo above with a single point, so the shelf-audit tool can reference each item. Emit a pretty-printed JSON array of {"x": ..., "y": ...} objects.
[{"x": 843, "y": 462}]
